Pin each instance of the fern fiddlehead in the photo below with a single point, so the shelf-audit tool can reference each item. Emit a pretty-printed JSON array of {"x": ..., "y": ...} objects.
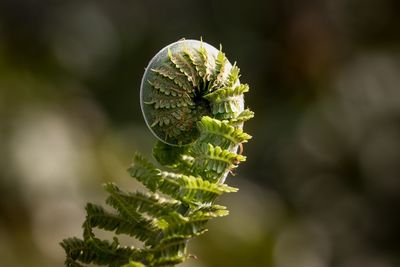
[{"x": 192, "y": 101}]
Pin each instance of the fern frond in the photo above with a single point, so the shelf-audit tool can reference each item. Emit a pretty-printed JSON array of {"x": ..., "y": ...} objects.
[
  {"x": 227, "y": 99},
  {"x": 233, "y": 76},
  {"x": 142, "y": 228},
  {"x": 190, "y": 189},
  {"x": 145, "y": 172},
  {"x": 94, "y": 250},
  {"x": 150, "y": 203},
  {"x": 98, "y": 217},
  {"x": 221, "y": 70},
  {"x": 203, "y": 61},
  {"x": 187, "y": 230},
  {"x": 185, "y": 65},
  {"x": 199, "y": 60},
  {"x": 167, "y": 101},
  {"x": 245, "y": 115},
  {"x": 210, "y": 211},
  {"x": 167, "y": 86},
  {"x": 75, "y": 249},
  {"x": 213, "y": 161},
  {"x": 220, "y": 133},
  {"x": 174, "y": 122},
  {"x": 169, "y": 70},
  {"x": 193, "y": 102},
  {"x": 209, "y": 61},
  {"x": 171, "y": 255},
  {"x": 103, "y": 252}
]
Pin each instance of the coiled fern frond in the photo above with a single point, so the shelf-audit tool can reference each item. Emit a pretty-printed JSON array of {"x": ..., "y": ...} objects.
[{"x": 193, "y": 102}]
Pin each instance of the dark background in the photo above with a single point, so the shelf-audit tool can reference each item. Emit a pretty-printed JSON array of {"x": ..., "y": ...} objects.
[{"x": 321, "y": 186}]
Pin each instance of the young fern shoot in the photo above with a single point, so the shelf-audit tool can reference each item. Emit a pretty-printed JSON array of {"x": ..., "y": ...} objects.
[{"x": 192, "y": 101}]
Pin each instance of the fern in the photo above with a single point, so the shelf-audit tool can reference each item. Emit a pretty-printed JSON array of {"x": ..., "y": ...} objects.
[{"x": 193, "y": 102}]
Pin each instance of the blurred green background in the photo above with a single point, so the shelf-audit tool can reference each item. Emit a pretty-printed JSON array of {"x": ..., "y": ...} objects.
[{"x": 321, "y": 187}]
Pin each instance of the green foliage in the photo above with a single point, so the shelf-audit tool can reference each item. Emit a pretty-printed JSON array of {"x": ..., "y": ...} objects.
[
  {"x": 182, "y": 192},
  {"x": 169, "y": 71},
  {"x": 220, "y": 133},
  {"x": 183, "y": 62},
  {"x": 227, "y": 100}
]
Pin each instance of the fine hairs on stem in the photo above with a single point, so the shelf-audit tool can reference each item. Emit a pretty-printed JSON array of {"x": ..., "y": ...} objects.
[{"x": 193, "y": 102}]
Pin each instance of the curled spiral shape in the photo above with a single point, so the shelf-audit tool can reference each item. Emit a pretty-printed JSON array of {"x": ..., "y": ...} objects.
[
  {"x": 192, "y": 101},
  {"x": 185, "y": 81}
]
